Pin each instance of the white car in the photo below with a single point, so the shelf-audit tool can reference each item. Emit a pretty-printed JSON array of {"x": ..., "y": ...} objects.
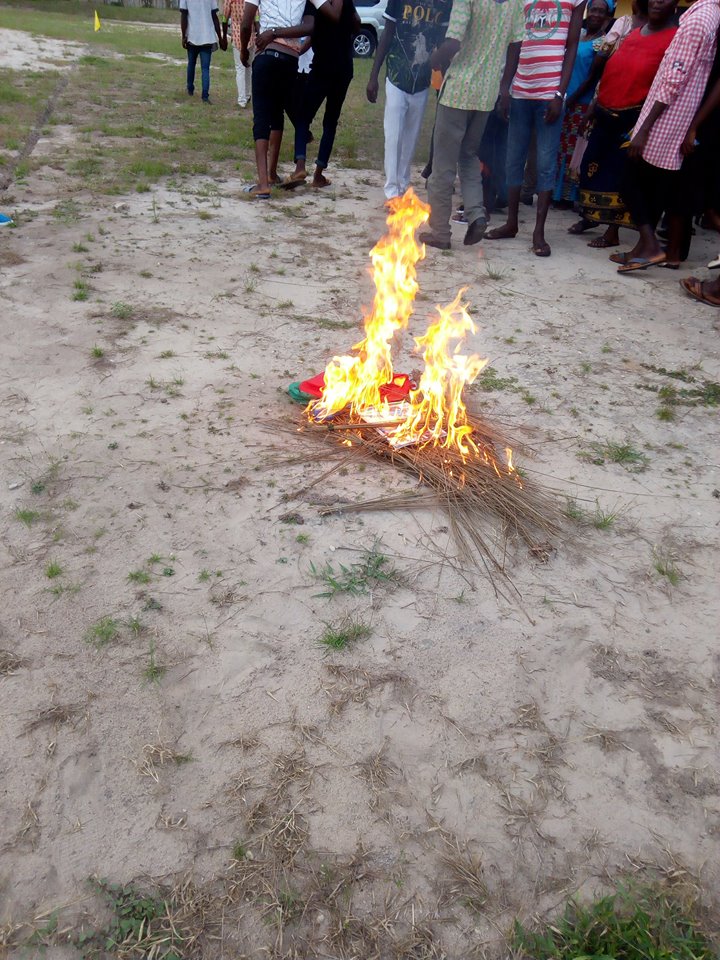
[{"x": 371, "y": 16}]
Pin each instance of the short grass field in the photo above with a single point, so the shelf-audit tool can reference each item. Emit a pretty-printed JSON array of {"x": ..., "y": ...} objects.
[{"x": 131, "y": 118}]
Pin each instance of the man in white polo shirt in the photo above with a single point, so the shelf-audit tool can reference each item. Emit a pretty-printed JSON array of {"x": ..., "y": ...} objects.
[{"x": 283, "y": 23}]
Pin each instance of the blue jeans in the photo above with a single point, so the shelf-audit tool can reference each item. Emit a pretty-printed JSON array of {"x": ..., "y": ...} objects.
[
  {"x": 330, "y": 86},
  {"x": 524, "y": 116},
  {"x": 204, "y": 52}
]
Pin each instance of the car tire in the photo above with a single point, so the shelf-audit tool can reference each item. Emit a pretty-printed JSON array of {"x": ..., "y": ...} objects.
[{"x": 364, "y": 43}]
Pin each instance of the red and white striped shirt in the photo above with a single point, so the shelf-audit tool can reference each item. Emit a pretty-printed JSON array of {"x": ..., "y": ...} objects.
[
  {"x": 547, "y": 23},
  {"x": 680, "y": 83}
]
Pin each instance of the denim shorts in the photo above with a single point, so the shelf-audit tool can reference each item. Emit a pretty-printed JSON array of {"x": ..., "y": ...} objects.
[{"x": 526, "y": 116}]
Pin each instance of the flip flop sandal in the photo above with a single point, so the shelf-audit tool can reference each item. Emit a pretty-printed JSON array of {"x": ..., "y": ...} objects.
[
  {"x": 293, "y": 181},
  {"x": 542, "y": 251},
  {"x": 620, "y": 258},
  {"x": 641, "y": 263},
  {"x": 670, "y": 265},
  {"x": 580, "y": 227},
  {"x": 600, "y": 243},
  {"x": 321, "y": 186},
  {"x": 260, "y": 194},
  {"x": 714, "y": 264},
  {"x": 694, "y": 288}
]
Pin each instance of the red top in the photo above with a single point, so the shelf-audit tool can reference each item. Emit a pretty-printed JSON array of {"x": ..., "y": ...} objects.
[{"x": 630, "y": 71}]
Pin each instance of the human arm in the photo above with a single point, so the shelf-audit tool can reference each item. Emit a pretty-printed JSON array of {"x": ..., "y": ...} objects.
[
  {"x": 386, "y": 39},
  {"x": 222, "y": 38},
  {"x": 554, "y": 108},
  {"x": 303, "y": 29},
  {"x": 593, "y": 78},
  {"x": 331, "y": 9},
  {"x": 711, "y": 103},
  {"x": 455, "y": 34},
  {"x": 246, "y": 29},
  {"x": 511, "y": 64},
  {"x": 184, "y": 26},
  {"x": 641, "y": 134}
]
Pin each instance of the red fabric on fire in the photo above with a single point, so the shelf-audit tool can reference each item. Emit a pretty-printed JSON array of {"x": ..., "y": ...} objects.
[{"x": 398, "y": 389}]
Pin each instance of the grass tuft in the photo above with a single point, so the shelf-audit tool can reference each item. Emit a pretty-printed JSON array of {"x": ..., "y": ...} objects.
[
  {"x": 633, "y": 923},
  {"x": 374, "y": 569},
  {"x": 343, "y": 634},
  {"x": 102, "y": 632}
]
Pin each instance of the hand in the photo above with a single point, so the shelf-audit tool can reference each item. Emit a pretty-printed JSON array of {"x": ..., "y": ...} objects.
[
  {"x": 263, "y": 39},
  {"x": 184, "y": 43},
  {"x": 372, "y": 90},
  {"x": 244, "y": 57},
  {"x": 688, "y": 145},
  {"x": 223, "y": 43},
  {"x": 502, "y": 107},
  {"x": 438, "y": 61},
  {"x": 638, "y": 143},
  {"x": 570, "y": 103},
  {"x": 553, "y": 110}
]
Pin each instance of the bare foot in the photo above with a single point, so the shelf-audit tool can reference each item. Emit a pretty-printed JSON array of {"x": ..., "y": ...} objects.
[{"x": 506, "y": 232}]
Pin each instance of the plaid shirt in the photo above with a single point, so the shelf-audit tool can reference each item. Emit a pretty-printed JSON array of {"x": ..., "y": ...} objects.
[{"x": 680, "y": 83}]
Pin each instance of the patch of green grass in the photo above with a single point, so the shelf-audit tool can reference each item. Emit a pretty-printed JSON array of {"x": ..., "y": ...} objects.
[
  {"x": 634, "y": 923},
  {"x": 347, "y": 631},
  {"x": 139, "y": 576},
  {"x": 53, "y": 570},
  {"x": 135, "y": 626},
  {"x": 153, "y": 672},
  {"x": 623, "y": 454},
  {"x": 28, "y": 517},
  {"x": 102, "y": 632},
  {"x": 302, "y": 538},
  {"x": 664, "y": 564},
  {"x": 97, "y": 352},
  {"x": 141, "y": 924},
  {"x": 574, "y": 510},
  {"x": 67, "y": 212},
  {"x": 239, "y": 851},
  {"x": 604, "y": 519},
  {"x": 79, "y": 248},
  {"x": 81, "y": 290},
  {"x": 166, "y": 355},
  {"x": 204, "y": 576},
  {"x": 372, "y": 570},
  {"x": 489, "y": 380},
  {"x": 121, "y": 310}
]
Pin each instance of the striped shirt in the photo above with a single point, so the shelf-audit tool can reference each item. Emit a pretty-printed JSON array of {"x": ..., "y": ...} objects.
[
  {"x": 484, "y": 29},
  {"x": 547, "y": 23},
  {"x": 680, "y": 83}
]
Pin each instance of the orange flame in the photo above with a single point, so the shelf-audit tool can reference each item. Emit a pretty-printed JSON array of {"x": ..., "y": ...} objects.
[
  {"x": 356, "y": 380},
  {"x": 435, "y": 413}
]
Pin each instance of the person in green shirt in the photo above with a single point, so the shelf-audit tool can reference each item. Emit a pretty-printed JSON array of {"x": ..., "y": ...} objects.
[{"x": 478, "y": 57}]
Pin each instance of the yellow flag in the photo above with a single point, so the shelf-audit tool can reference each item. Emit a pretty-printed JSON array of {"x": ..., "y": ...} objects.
[{"x": 97, "y": 22}]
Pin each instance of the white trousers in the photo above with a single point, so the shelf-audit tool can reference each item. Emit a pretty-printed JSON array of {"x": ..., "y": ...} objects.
[
  {"x": 243, "y": 78},
  {"x": 403, "y": 119}
]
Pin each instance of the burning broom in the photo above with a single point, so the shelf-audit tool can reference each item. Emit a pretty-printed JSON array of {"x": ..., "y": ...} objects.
[{"x": 425, "y": 428}]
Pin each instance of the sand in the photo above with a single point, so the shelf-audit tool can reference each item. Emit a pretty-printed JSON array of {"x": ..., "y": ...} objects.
[{"x": 553, "y": 739}]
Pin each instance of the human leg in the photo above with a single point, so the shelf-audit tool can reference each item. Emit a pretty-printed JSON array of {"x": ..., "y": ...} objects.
[
  {"x": 205, "y": 56},
  {"x": 192, "y": 55},
  {"x": 269, "y": 80},
  {"x": 416, "y": 103},
  {"x": 469, "y": 168},
  {"x": 242, "y": 76},
  {"x": 643, "y": 193},
  {"x": 393, "y": 123},
  {"x": 548, "y": 142},
  {"x": 450, "y": 128},
  {"x": 336, "y": 89},
  {"x": 518, "y": 144}
]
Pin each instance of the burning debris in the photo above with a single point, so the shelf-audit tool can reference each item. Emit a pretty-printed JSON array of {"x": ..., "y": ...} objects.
[{"x": 425, "y": 428}]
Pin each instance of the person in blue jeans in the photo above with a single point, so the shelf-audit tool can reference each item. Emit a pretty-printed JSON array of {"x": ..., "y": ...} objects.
[
  {"x": 201, "y": 35},
  {"x": 537, "y": 98}
]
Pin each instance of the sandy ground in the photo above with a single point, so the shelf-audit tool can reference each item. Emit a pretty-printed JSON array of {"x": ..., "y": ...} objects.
[
  {"x": 27, "y": 51},
  {"x": 558, "y": 738}
]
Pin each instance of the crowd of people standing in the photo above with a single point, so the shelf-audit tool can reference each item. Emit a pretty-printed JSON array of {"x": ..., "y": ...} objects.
[{"x": 566, "y": 105}]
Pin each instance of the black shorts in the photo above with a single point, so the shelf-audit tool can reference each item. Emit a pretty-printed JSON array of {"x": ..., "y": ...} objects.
[{"x": 273, "y": 81}]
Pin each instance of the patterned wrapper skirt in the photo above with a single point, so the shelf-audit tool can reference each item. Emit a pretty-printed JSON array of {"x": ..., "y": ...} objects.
[
  {"x": 601, "y": 172},
  {"x": 566, "y": 183}
]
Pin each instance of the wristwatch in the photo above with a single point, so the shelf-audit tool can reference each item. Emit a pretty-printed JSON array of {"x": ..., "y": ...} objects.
[{"x": 563, "y": 96}]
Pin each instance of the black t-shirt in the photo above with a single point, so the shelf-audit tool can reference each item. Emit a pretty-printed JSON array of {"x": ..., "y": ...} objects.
[
  {"x": 332, "y": 42},
  {"x": 419, "y": 28}
]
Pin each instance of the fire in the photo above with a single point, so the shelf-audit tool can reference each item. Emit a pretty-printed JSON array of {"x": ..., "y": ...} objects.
[
  {"x": 355, "y": 381},
  {"x": 435, "y": 412}
]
